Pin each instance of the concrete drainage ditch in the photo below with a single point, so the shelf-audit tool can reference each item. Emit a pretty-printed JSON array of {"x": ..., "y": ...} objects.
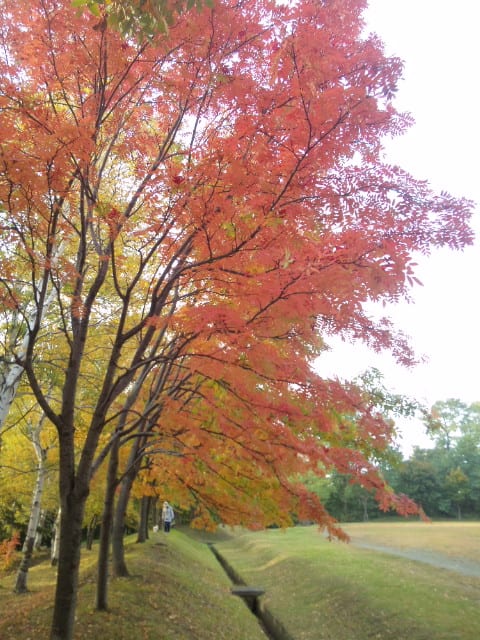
[{"x": 251, "y": 595}]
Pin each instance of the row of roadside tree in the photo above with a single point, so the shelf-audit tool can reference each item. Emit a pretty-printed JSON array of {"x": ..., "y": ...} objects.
[{"x": 193, "y": 200}]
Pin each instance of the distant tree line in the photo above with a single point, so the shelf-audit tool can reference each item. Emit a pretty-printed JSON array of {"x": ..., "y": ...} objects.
[{"x": 443, "y": 479}]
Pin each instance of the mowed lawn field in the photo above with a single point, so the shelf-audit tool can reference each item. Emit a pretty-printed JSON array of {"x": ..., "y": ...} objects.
[
  {"x": 323, "y": 590},
  {"x": 456, "y": 540}
]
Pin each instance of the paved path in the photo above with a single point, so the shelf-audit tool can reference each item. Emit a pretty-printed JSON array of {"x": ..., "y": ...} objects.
[{"x": 460, "y": 565}]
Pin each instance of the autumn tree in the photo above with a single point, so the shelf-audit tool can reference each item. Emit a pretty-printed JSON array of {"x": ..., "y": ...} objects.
[{"x": 220, "y": 187}]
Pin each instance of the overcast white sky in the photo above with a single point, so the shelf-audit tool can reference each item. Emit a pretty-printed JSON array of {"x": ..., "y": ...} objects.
[{"x": 439, "y": 42}]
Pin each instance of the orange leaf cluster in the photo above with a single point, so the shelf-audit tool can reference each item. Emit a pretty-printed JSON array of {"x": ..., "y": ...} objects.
[{"x": 208, "y": 208}]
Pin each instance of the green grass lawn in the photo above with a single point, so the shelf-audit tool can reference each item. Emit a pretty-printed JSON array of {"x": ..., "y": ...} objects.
[
  {"x": 329, "y": 590},
  {"x": 318, "y": 589}
]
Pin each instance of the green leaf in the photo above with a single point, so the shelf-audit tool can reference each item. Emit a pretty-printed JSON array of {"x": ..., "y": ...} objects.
[{"x": 93, "y": 7}]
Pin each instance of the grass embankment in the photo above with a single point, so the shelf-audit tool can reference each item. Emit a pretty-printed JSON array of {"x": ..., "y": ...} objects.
[
  {"x": 319, "y": 590},
  {"x": 324, "y": 590},
  {"x": 177, "y": 591}
]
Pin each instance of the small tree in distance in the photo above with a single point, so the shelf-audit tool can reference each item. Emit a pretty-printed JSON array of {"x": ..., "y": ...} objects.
[{"x": 219, "y": 189}]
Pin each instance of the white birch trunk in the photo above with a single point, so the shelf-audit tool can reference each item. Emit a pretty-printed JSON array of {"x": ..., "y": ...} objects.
[
  {"x": 36, "y": 508},
  {"x": 28, "y": 545},
  {"x": 11, "y": 373},
  {"x": 37, "y": 498},
  {"x": 38, "y": 537},
  {"x": 56, "y": 539}
]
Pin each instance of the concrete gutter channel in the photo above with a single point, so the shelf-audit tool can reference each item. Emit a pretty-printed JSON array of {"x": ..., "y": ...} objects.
[{"x": 272, "y": 627}]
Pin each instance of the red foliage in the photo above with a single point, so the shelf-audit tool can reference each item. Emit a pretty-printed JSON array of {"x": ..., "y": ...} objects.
[{"x": 222, "y": 206}]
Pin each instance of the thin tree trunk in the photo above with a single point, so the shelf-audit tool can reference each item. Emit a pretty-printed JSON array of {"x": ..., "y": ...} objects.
[
  {"x": 154, "y": 509},
  {"x": 56, "y": 539},
  {"x": 119, "y": 566},
  {"x": 39, "y": 534},
  {"x": 106, "y": 528},
  {"x": 41, "y": 453},
  {"x": 144, "y": 513},
  {"x": 9, "y": 382},
  {"x": 35, "y": 511},
  {"x": 92, "y": 525},
  {"x": 364, "y": 501},
  {"x": 21, "y": 582},
  {"x": 10, "y": 374}
]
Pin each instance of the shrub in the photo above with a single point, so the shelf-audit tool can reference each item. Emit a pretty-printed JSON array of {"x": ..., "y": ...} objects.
[{"x": 8, "y": 549}]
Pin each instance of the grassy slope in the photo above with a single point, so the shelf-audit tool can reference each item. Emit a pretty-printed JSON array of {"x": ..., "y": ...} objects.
[
  {"x": 322, "y": 590},
  {"x": 177, "y": 591}
]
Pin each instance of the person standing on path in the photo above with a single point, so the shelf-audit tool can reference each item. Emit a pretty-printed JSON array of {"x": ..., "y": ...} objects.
[{"x": 168, "y": 516}]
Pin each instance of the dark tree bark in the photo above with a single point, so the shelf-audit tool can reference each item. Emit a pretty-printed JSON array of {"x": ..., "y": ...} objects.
[
  {"x": 92, "y": 525},
  {"x": 106, "y": 528},
  {"x": 119, "y": 566},
  {"x": 144, "y": 514},
  {"x": 154, "y": 510},
  {"x": 68, "y": 567}
]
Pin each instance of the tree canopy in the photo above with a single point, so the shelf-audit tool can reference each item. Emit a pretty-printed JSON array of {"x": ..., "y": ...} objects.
[{"x": 185, "y": 220}]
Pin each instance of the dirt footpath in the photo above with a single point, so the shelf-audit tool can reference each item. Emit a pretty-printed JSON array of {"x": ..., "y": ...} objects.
[{"x": 464, "y": 567}]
